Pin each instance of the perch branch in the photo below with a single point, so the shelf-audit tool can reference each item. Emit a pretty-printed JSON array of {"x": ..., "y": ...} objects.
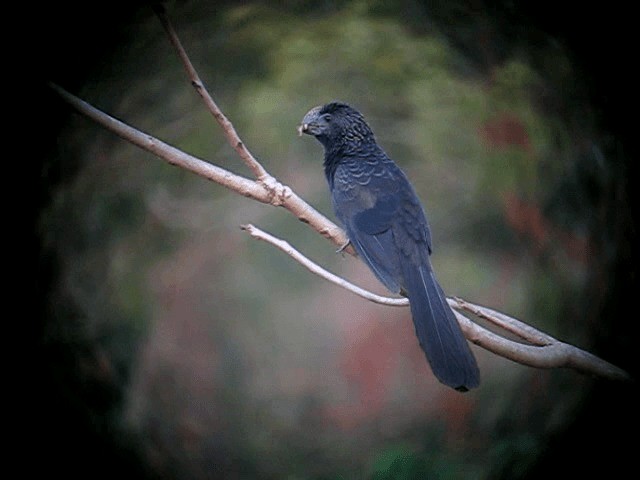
[
  {"x": 242, "y": 185},
  {"x": 542, "y": 351}
]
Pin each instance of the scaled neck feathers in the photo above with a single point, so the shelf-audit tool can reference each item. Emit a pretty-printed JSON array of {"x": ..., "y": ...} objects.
[
  {"x": 354, "y": 153},
  {"x": 351, "y": 140}
]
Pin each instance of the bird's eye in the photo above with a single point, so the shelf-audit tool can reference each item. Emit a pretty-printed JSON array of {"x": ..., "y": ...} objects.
[{"x": 326, "y": 117}]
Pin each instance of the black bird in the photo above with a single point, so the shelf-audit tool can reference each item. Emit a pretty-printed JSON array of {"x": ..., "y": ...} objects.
[{"x": 386, "y": 225}]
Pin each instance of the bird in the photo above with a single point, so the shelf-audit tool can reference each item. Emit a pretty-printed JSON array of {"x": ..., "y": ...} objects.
[{"x": 387, "y": 226}]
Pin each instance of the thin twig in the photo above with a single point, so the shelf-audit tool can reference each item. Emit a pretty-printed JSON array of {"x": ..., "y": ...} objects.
[
  {"x": 313, "y": 267},
  {"x": 510, "y": 324},
  {"x": 544, "y": 351},
  {"x": 227, "y": 127}
]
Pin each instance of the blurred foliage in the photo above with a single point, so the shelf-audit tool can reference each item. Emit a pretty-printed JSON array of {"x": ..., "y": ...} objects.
[{"x": 213, "y": 356}]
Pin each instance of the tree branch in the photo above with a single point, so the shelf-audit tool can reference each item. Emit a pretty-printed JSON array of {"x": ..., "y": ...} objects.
[
  {"x": 174, "y": 156},
  {"x": 281, "y": 196},
  {"x": 541, "y": 350},
  {"x": 227, "y": 127},
  {"x": 313, "y": 267}
]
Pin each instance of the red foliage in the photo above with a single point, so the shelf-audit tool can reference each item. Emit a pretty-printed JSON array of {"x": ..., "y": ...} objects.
[
  {"x": 381, "y": 355},
  {"x": 369, "y": 362},
  {"x": 504, "y": 131},
  {"x": 527, "y": 220}
]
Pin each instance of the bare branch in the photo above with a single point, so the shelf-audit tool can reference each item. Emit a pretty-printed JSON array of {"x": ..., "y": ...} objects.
[
  {"x": 255, "y": 232},
  {"x": 249, "y": 188},
  {"x": 280, "y": 194},
  {"x": 510, "y": 324},
  {"x": 174, "y": 156},
  {"x": 555, "y": 354},
  {"x": 227, "y": 127},
  {"x": 543, "y": 351}
]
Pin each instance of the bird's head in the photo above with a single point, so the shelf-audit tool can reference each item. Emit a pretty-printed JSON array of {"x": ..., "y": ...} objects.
[{"x": 335, "y": 123}]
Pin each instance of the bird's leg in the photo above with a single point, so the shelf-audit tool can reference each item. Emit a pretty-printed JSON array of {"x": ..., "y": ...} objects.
[{"x": 344, "y": 246}]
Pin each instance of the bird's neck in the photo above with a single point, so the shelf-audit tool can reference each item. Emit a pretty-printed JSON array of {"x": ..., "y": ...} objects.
[{"x": 346, "y": 152}]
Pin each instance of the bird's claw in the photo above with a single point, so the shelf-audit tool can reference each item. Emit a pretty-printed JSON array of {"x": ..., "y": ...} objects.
[{"x": 343, "y": 246}]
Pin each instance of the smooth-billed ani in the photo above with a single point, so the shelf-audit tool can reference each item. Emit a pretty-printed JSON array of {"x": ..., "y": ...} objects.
[{"x": 386, "y": 225}]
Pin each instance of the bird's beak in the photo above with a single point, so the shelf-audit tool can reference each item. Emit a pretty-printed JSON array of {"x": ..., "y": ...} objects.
[{"x": 308, "y": 124}]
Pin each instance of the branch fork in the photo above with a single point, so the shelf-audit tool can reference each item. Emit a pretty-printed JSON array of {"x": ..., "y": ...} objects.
[{"x": 276, "y": 191}]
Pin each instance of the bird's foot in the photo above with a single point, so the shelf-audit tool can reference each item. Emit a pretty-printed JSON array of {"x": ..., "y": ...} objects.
[{"x": 343, "y": 247}]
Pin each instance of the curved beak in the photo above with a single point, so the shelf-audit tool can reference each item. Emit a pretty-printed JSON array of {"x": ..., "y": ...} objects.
[{"x": 307, "y": 125}]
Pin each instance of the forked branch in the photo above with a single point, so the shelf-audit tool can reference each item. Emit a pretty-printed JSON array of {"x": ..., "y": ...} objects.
[
  {"x": 537, "y": 349},
  {"x": 541, "y": 350}
]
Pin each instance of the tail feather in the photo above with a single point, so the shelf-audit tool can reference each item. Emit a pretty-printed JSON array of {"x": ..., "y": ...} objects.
[{"x": 438, "y": 331}]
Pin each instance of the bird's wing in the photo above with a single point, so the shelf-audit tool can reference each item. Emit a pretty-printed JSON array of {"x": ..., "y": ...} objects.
[
  {"x": 390, "y": 202},
  {"x": 383, "y": 218},
  {"x": 411, "y": 228},
  {"x": 368, "y": 208},
  {"x": 378, "y": 253},
  {"x": 379, "y": 218}
]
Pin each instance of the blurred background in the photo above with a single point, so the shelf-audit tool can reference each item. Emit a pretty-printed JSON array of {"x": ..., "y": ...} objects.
[{"x": 169, "y": 344}]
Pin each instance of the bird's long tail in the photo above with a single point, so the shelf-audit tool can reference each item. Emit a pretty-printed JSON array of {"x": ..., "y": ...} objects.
[{"x": 438, "y": 331}]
